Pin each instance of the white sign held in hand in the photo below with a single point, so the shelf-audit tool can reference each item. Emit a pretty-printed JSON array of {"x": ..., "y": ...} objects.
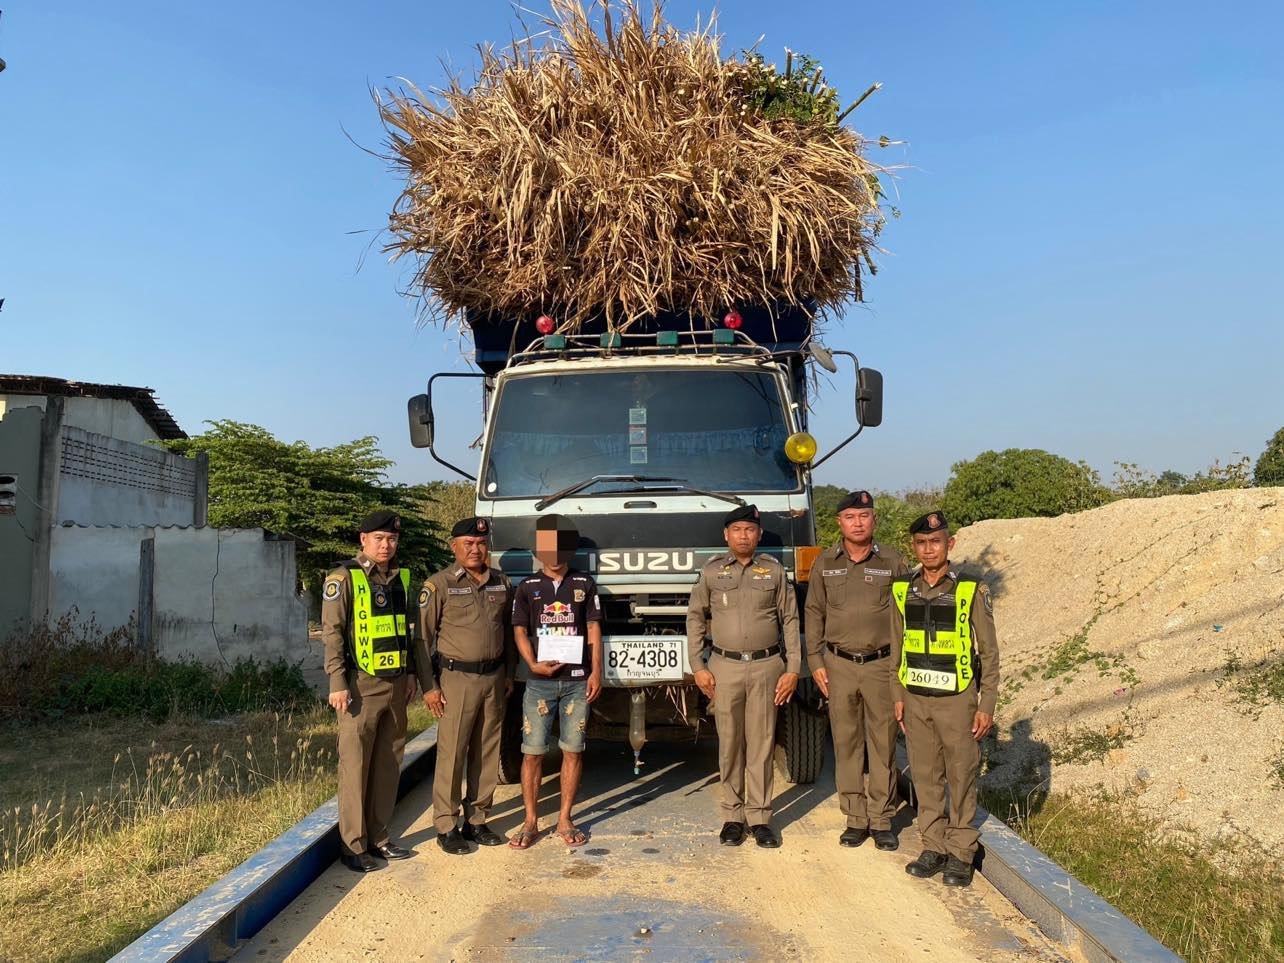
[{"x": 560, "y": 648}]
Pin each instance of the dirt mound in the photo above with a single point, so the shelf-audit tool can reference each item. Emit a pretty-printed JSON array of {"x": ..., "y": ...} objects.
[{"x": 1143, "y": 652}]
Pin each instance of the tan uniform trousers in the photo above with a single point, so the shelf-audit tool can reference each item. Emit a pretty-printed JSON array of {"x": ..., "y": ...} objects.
[
  {"x": 863, "y": 722},
  {"x": 467, "y": 746},
  {"x": 744, "y": 710},
  {"x": 938, "y": 734},
  {"x": 372, "y": 740}
]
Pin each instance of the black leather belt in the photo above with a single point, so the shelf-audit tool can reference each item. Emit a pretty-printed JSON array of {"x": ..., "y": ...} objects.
[
  {"x": 477, "y": 668},
  {"x": 882, "y": 653},
  {"x": 766, "y": 653}
]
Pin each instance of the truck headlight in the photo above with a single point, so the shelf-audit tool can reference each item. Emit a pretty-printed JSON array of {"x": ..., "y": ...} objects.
[{"x": 800, "y": 448}]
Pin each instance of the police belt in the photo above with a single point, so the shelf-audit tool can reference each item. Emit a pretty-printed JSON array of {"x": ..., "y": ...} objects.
[
  {"x": 882, "y": 653},
  {"x": 766, "y": 653},
  {"x": 477, "y": 668}
]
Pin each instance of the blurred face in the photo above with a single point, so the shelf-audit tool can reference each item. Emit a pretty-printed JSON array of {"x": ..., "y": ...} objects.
[
  {"x": 857, "y": 525},
  {"x": 470, "y": 551},
  {"x": 379, "y": 546},
  {"x": 555, "y": 549},
  {"x": 933, "y": 549},
  {"x": 742, "y": 537}
]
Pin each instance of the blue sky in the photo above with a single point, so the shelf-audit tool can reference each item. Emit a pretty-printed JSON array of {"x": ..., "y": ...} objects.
[{"x": 1092, "y": 238}]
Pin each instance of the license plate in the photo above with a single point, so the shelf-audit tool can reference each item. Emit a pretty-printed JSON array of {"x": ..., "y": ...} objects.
[{"x": 644, "y": 658}]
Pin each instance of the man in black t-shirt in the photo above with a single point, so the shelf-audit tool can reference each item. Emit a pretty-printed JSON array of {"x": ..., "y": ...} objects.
[{"x": 557, "y": 623}]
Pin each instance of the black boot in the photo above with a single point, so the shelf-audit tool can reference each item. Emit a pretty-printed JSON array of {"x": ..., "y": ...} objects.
[
  {"x": 765, "y": 836},
  {"x": 733, "y": 834},
  {"x": 885, "y": 840},
  {"x": 927, "y": 865},
  {"x": 957, "y": 873},
  {"x": 453, "y": 842},
  {"x": 853, "y": 837}
]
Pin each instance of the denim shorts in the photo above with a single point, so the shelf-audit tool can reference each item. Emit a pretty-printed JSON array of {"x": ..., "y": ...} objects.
[{"x": 548, "y": 699}]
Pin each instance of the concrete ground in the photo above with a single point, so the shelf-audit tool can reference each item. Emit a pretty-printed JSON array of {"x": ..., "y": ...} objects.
[{"x": 652, "y": 883}]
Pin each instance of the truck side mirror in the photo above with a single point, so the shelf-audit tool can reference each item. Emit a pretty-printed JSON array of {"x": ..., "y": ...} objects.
[
  {"x": 869, "y": 397},
  {"x": 419, "y": 411}
]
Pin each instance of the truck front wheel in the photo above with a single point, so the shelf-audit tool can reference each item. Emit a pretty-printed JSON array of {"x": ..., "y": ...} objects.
[
  {"x": 801, "y": 728},
  {"x": 510, "y": 740}
]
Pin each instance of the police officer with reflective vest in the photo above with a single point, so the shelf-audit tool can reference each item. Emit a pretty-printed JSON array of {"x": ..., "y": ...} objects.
[
  {"x": 365, "y": 627},
  {"x": 465, "y": 618},
  {"x": 849, "y": 652},
  {"x": 744, "y": 602},
  {"x": 946, "y": 652}
]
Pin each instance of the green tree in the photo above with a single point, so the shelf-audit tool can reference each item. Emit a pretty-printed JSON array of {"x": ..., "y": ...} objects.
[
  {"x": 1270, "y": 466},
  {"x": 318, "y": 495},
  {"x": 448, "y": 502},
  {"x": 1019, "y": 483}
]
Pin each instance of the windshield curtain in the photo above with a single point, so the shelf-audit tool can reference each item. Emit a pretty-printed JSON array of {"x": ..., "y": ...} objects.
[{"x": 716, "y": 430}]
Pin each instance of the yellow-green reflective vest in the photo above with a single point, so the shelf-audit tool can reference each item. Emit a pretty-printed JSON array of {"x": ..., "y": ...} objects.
[
  {"x": 379, "y": 639},
  {"x": 936, "y": 647}
]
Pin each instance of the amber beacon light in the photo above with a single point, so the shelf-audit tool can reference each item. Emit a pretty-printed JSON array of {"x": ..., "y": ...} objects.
[{"x": 800, "y": 448}]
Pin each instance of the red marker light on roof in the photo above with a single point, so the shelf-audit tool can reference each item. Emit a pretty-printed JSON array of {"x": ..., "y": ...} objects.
[
  {"x": 733, "y": 320},
  {"x": 544, "y": 324}
]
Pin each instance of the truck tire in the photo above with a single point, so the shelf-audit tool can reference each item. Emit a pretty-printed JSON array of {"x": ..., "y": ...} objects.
[
  {"x": 510, "y": 740},
  {"x": 801, "y": 729}
]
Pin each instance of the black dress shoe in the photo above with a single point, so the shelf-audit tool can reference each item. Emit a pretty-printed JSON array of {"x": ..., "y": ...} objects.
[
  {"x": 391, "y": 850},
  {"x": 733, "y": 834},
  {"x": 765, "y": 836},
  {"x": 453, "y": 843},
  {"x": 359, "y": 862},
  {"x": 853, "y": 837},
  {"x": 885, "y": 840},
  {"x": 927, "y": 865},
  {"x": 957, "y": 873},
  {"x": 481, "y": 834}
]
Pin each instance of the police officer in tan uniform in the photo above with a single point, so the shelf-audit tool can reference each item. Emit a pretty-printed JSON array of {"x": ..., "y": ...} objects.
[
  {"x": 464, "y": 618},
  {"x": 744, "y": 601},
  {"x": 945, "y": 687},
  {"x": 365, "y": 627},
  {"x": 848, "y": 649}
]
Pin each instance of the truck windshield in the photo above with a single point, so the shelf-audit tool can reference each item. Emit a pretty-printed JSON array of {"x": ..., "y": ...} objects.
[{"x": 717, "y": 430}]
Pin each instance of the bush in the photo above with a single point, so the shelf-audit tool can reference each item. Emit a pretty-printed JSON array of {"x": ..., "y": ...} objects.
[
  {"x": 1133, "y": 481},
  {"x": 1019, "y": 483},
  {"x": 70, "y": 668},
  {"x": 1270, "y": 466}
]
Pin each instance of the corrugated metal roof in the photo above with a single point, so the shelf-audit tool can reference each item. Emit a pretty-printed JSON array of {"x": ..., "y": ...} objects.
[{"x": 160, "y": 420}]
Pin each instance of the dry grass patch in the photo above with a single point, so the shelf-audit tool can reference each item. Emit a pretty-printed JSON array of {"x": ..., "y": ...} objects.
[{"x": 109, "y": 825}]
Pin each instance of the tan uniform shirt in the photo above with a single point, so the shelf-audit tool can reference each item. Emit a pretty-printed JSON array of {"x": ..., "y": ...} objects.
[
  {"x": 985, "y": 639},
  {"x": 848, "y": 601},
  {"x": 750, "y": 607},
  {"x": 466, "y": 620},
  {"x": 336, "y": 605}
]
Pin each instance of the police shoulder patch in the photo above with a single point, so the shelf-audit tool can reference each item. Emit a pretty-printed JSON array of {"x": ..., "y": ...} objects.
[
  {"x": 423, "y": 596},
  {"x": 331, "y": 589}
]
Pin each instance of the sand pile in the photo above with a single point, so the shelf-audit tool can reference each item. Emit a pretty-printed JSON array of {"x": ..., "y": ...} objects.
[{"x": 1137, "y": 642}]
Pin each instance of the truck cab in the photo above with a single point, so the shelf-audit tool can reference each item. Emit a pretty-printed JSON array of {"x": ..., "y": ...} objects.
[{"x": 646, "y": 439}]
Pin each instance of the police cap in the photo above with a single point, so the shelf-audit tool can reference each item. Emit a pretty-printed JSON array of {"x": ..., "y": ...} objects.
[
  {"x": 860, "y": 499},
  {"x": 474, "y": 527},
  {"x": 931, "y": 522},
  {"x": 745, "y": 513},
  {"x": 381, "y": 521}
]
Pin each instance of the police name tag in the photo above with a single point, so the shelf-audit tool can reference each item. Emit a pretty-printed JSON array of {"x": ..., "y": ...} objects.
[
  {"x": 878, "y": 571},
  {"x": 833, "y": 571},
  {"x": 461, "y": 591},
  {"x": 932, "y": 679}
]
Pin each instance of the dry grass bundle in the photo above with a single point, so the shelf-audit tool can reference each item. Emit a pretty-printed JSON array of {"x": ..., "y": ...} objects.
[{"x": 629, "y": 169}]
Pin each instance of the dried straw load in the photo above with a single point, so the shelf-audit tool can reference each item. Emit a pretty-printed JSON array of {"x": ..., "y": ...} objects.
[{"x": 615, "y": 166}]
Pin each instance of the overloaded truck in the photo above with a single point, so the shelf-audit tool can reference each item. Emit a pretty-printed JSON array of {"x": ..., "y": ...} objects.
[{"x": 646, "y": 438}]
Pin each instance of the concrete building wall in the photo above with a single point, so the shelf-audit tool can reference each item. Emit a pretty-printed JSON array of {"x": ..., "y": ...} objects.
[
  {"x": 20, "y": 459},
  {"x": 109, "y": 481},
  {"x": 95, "y": 574},
  {"x": 224, "y": 594},
  {"x": 113, "y": 417},
  {"x": 216, "y": 595}
]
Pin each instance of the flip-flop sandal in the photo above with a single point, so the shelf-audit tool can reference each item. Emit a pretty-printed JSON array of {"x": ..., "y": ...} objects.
[
  {"x": 572, "y": 837},
  {"x": 524, "y": 838}
]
